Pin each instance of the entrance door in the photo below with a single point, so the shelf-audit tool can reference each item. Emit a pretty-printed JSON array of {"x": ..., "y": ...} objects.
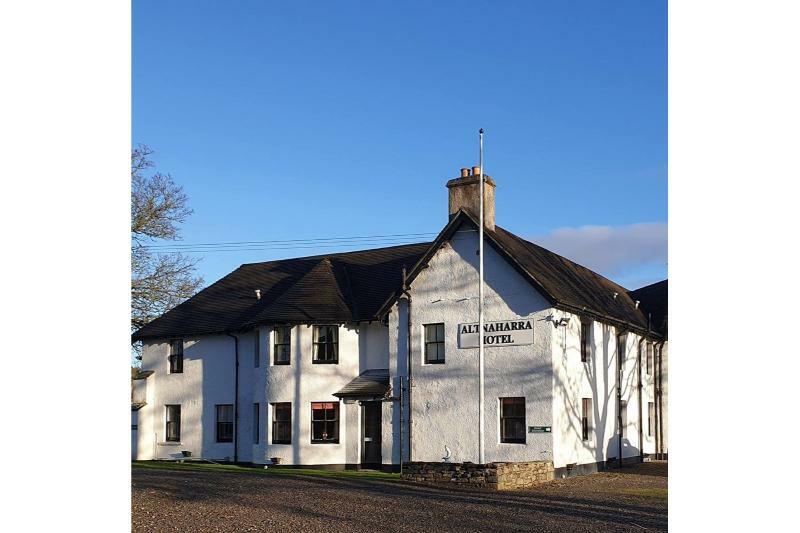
[{"x": 371, "y": 434}]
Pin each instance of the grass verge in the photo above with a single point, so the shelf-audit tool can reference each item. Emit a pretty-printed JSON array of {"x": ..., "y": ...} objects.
[
  {"x": 272, "y": 471},
  {"x": 656, "y": 494}
]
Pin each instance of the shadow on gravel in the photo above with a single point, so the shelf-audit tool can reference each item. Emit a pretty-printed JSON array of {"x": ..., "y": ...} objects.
[{"x": 413, "y": 503}]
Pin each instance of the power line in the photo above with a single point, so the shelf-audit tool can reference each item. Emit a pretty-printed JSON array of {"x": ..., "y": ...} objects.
[
  {"x": 297, "y": 247},
  {"x": 289, "y": 244},
  {"x": 282, "y": 242}
]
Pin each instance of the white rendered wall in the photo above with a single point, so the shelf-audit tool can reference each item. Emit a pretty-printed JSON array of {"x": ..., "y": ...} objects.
[
  {"x": 208, "y": 379},
  {"x": 574, "y": 380},
  {"x": 303, "y": 382},
  {"x": 445, "y": 396}
]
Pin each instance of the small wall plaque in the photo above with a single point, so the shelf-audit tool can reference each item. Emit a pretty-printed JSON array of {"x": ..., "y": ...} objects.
[{"x": 539, "y": 429}]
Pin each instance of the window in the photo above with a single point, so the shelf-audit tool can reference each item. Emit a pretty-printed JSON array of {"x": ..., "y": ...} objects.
[
  {"x": 512, "y": 420},
  {"x": 282, "y": 423},
  {"x": 256, "y": 414},
  {"x": 325, "y": 422},
  {"x": 649, "y": 358},
  {"x": 586, "y": 326},
  {"x": 225, "y": 423},
  {"x": 623, "y": 416},
  {"x": 257, "y": 349},
  {"x": 280, "y": 348},
  {"x": 586, "y": 417},
  {"x": 173, "y": 423},
  {"x": 176, "y": 356},
  {"x": 434, "y": 343},
  {"x": 651, "y": 418},
  {"x": 326, "y": 344}
]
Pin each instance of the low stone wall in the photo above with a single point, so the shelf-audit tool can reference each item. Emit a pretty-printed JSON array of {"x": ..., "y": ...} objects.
[{"x": 496, "y": 476}]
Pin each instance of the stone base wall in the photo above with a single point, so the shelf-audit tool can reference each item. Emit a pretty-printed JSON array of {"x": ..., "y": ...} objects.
[{"x": 495, "y": 476}]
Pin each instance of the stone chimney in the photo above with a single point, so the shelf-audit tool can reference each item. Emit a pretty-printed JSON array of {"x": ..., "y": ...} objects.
[{"x": 464, "y": 193}]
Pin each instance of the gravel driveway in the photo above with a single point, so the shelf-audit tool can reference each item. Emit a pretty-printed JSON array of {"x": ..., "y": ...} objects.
[{"x": 624, "y": 500}]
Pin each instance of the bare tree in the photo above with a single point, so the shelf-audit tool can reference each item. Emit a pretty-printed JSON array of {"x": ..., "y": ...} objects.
[{"x": 159, "y": 281}]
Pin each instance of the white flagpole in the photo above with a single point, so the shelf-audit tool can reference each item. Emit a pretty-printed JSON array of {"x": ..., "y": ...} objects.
[{"x": 481, "y": 459}]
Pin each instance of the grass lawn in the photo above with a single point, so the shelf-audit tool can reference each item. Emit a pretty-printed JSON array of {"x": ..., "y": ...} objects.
[{"x": 271, "y": 471}]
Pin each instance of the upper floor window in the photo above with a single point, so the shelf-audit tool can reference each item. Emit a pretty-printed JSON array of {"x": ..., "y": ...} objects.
[
  {"x": 225, "y": 423},
  {"x": 326, "y": 344},
  {"x": 173, "y": 423},
  {"x": 257, "y": 348},
  {"x": 649, "y": 357},
  {"x": 434, "y": 343},
  {"x": 282, "y": 336},
  {"x": 623, "y": 418},
  {"x": 586, "y": 326},
  {"x": 512, "y": 420},
  {"x": 325, "y": 422},
  {"x": 176, "y": 356},
  {"x": 282, "y": 423}
]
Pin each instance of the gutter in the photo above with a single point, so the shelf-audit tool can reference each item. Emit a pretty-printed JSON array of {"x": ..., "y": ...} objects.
[{"x": 235, "y": 400}]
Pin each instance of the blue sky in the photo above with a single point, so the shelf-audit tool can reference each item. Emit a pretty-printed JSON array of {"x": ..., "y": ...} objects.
[{"x": 306, "y": 120}]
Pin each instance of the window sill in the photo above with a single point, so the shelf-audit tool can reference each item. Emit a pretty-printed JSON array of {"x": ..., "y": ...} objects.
[
  {"x": 281, "y": 364},
  {"x": 281, "y": 444},
  {"x": 434, "y": 362},
  {"x": 170, "y": 443},
  {"x": 324, "y": 442},
  {"x": 513, "y": 442},
  {"x": 325, "y": 362}
]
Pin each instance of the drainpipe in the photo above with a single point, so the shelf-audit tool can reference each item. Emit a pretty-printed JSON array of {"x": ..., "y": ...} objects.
[
  {"x": 660, "y": 406},
  {"x": 408, "y": 356},
  {"x": 620, "y": 353},
  {"x": 401, "y": 425},
  {"x": 639, "y": 389},
  {"x": 235, "y": 400},
  {"x": 641, "y": 407}
]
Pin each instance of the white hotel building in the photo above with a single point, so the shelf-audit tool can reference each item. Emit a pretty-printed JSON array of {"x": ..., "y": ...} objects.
[{"x": 369, "y": 359}]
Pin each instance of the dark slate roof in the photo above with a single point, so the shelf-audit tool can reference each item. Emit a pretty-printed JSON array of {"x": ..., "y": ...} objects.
[
  {"x": 361, "y": 286},
  {"x": 653, "y": 299},
  {"x": 135, "y": 406},
  {"x": 570, "y": 284},
  {"x": 564, "y": 283},
  {"x": 369, "y": 384},
  {"x": 341, "y": 287}
]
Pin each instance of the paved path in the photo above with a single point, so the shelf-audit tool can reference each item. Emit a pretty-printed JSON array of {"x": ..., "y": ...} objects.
[{"x": 166, "y": 500}]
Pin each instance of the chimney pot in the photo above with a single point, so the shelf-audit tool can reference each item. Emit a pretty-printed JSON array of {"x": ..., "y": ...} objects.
[
  {"x": 476, "y": 171},
  {"x": 464, "y": 172}
]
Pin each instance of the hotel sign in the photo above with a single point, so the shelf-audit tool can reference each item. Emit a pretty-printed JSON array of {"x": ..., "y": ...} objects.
[{"x": 517, "y": 332}]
